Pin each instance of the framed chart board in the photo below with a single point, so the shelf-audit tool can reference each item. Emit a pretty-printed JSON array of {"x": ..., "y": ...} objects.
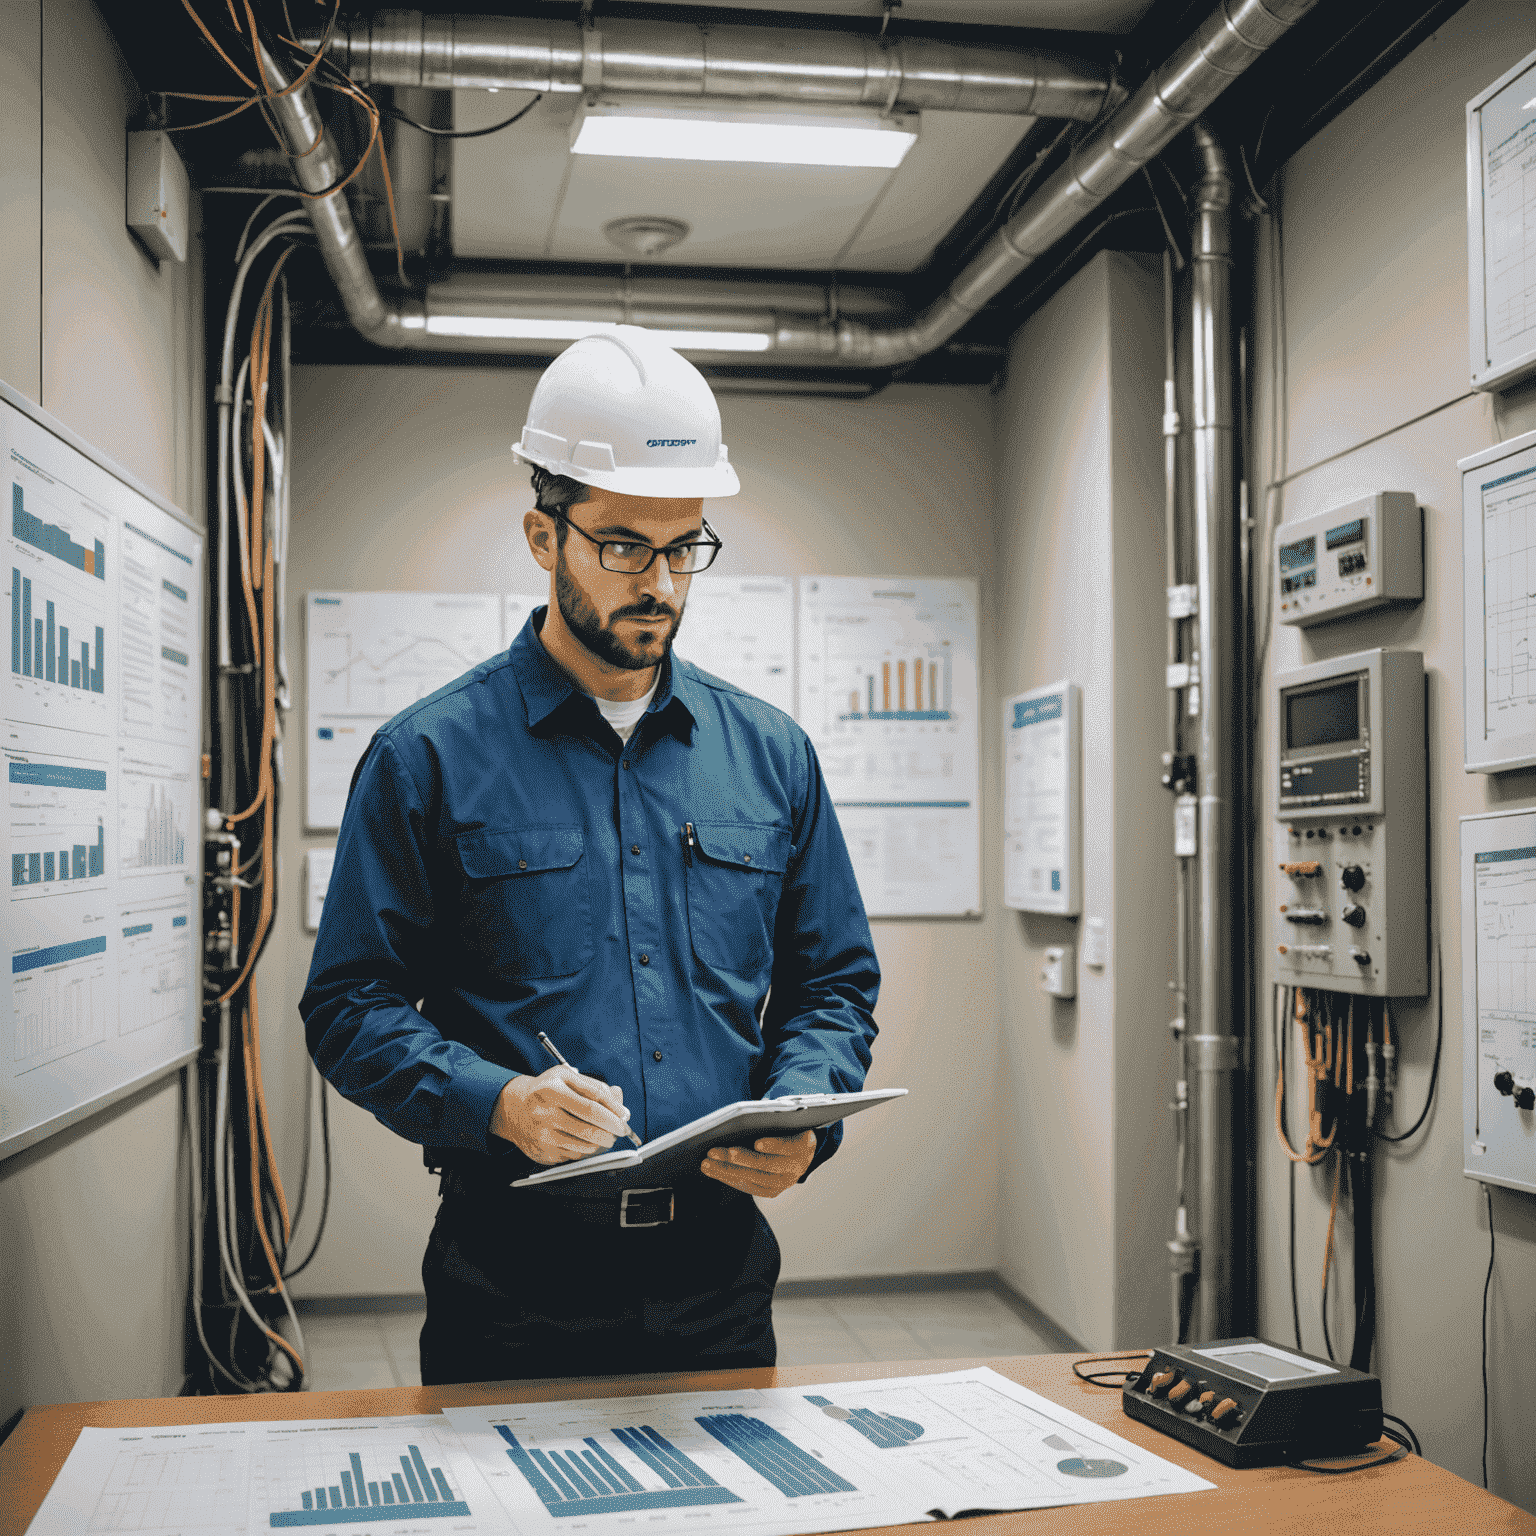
[
  {"x": 1498, "y": 522},
  {"x": 103, "y": 740}
]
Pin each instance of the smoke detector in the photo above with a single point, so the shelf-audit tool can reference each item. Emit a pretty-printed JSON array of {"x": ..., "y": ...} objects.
[{"x": 646, "y": 234}]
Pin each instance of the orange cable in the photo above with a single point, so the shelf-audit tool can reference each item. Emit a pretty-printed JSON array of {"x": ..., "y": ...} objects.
[{"x": 1333, "y": 1210}]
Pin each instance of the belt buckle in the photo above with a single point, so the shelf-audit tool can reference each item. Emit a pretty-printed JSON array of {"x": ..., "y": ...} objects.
[{"x": 660, "y": 1221}]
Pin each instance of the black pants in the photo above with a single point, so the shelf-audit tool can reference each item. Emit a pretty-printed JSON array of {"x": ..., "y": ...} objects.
[{"x": 522, "y": 1283}]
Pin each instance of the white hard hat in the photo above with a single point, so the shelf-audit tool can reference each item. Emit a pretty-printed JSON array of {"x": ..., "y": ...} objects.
[{"x": 622, "y": 411}]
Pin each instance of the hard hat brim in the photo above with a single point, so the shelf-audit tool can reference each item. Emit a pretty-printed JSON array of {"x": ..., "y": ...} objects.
[{"x": 713, "y": 480}]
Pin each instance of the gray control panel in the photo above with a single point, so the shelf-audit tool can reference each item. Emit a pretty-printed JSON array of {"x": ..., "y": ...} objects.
[
  {"x": 1349, "y": 912},
  {"x": 1359, "y": 556}
]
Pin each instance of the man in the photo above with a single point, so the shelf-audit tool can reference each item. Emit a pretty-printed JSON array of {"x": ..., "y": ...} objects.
[{"x": 589, "y": 837}]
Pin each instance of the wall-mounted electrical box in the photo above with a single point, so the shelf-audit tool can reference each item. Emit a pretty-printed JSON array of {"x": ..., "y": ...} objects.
[
  {"x": 1360, "y": 556},
  {"x": 158, "y": 195},
  {"x": 1498, "y": 998},
  {"x": 1058, "y": 971},
  {"x": 1349, "y": 906}
]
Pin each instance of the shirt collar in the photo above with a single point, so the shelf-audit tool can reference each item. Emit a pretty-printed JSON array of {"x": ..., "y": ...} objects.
[{"x": 548, "y": 692}]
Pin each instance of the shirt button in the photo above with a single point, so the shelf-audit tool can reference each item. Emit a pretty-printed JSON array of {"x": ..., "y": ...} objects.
[
  {"x": 747, "y": 858},
  {"x": 645, "y": 959},
  {"x": 655, "y": 1055},
  {"x": 522, "y": 863},
  {"x": 634, "y": 847},
  {"x": 626, "y": 762}
]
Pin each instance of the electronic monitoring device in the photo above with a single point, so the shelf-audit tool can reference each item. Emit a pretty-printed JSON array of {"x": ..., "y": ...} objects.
[
  {"x": 1365, "y": 555},
  {"x": 1250, "y": 1403},
  {"x": 1349, "y": 909}
]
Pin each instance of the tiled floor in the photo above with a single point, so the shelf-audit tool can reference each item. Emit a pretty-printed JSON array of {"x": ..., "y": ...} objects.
[{"x": 378, "y": 1349}]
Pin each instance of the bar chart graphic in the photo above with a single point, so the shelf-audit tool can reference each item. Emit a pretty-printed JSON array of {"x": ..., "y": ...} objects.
[
  {"x": 154, "y": 806},
  {"x": 896, "y": 687},
  {"x": 56, "y": 815},
  {"x": 44, "y": 648},
  {"x": 615, "y": 1479},
  {"x": 154, "y": 969},
  {"x": 54, "y": 540},
  {"x": 415, "y": 1491},
  {"x": 885, "y": 1430},
  {"x": 794, "y": 1472}
]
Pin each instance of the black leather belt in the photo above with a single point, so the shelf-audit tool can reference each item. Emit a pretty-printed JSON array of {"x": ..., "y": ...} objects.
[{"x": 629, "y": 1208}]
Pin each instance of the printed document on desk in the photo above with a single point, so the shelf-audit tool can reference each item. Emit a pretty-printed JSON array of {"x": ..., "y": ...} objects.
[
  {"x": 804, "y": 1459},
  {"x": 385, "y": 1476}
]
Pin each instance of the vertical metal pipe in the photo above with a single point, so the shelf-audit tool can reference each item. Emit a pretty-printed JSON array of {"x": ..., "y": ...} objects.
[{"x": 1214, "y": 1048}]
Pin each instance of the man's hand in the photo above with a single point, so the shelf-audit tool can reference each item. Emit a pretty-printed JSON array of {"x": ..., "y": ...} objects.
[
  {"x": 560, "y": 1115},
  {"x": 767, "y": 1169}
]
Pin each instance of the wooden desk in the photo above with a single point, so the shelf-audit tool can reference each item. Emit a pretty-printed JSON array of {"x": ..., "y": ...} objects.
[{"x": 1405, "y": 1496}]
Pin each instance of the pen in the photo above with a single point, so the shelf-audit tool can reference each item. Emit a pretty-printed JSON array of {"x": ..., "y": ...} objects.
[{"x": 550, "y": 1046}]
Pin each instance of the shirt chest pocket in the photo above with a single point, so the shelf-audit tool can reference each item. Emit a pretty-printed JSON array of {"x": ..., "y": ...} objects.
[
  {"x": 734, "y": 885},
  {"x": 527, "y": 911}
]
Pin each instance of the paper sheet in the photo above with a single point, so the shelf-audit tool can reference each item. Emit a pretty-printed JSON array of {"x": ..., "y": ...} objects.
[{"x": 742, "y": 628}]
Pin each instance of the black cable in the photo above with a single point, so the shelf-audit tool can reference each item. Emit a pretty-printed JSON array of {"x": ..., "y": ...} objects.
[
  {"x": 1487, "y": 1282},
  {"x": 1434, "y": 1071},
  {"x": 1361, "y": 1202},
  {"x": 1407, "y": 1429},
  {"x": 459, "y": 133},
  {"x": 1096, "y": 1378},
  {"x": 1402, "y": 1450},
  {"x": 1284, "y": 1035},
  {"x": 325, "y": 1197}
]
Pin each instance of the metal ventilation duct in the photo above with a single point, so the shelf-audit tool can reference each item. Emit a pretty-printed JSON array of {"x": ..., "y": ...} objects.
[
  {"x": 422, "y": 52},
  {"x": 718, "y": 63}
]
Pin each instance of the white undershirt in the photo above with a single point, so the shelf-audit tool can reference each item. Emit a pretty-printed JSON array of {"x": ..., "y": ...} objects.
[{"x": 624, "y": 714}]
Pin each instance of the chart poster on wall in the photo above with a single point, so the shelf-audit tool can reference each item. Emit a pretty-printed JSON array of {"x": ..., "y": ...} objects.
[
  {"x": 1498, "y": 520},
  {"x": 103, "y": 743},
  {"x": 368, "y": 656},
  {"x": 1498, "y": 983},
  {"x": 889, "y": 695},
  {"x": 1501, "y": 227},
  {"x": 1042, "y": 823},
  {"x": 742, "y": 629}
]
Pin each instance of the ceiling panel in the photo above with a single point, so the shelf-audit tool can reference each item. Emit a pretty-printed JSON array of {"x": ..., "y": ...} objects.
[
  {"x": 520, "y": 195},
  {"x": 955, "y": 156}
]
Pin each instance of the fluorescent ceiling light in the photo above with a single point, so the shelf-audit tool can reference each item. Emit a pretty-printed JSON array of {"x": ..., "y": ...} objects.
[
  {"x": 510, "y": 326},
  {"x": 758, "y": 138}
]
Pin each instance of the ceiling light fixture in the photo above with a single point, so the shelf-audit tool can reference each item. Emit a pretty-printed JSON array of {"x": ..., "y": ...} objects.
[
  {"x": 512, "y": 326},
  {"x": 757, "y": 138}
]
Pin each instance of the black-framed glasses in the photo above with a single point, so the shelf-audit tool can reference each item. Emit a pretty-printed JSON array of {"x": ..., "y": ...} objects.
[{"x": 629, "y": 557}]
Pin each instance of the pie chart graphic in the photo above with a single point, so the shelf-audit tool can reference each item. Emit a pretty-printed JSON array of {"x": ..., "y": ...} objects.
[{"x": 1084, "y": 1466}]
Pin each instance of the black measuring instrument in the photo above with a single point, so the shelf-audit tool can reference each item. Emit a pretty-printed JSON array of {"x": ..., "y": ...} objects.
[{"x": 1250, "y": 1403}]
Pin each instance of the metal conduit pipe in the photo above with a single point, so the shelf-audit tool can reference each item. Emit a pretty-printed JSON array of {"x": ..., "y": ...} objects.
[
  {"x": 729, "y": 64},
  {"x": 1224, "y": 45},
  {"x": 1215, "y": 1045}
]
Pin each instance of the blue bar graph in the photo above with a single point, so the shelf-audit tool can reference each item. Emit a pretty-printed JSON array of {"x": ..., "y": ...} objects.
[
  {"x": 882, "y": 1429},
  {"x": 53, "y": 540},
  {"x": 354, "y": 1500},
  {"x": 56, "y": 954},
  {"x": 594, "y": 1481},
  {"x": 40, "y": 646},
  {"x": 795, "y": 1473},
  {"x": 81, "y": 861}
]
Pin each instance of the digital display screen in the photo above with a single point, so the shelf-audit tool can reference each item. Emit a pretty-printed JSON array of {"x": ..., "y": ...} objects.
[
  {"x": 1323, "y": 715},
  {"x": 1268, "y": 1367},
  {"x": 1302, "y": 552},
  {"x": 1346, "y": 533}
]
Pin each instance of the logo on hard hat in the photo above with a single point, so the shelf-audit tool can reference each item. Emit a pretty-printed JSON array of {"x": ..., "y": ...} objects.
[{"x": 670, "y": 442}]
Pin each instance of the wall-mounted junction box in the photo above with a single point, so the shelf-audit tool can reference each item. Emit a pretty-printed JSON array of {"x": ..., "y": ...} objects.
[
  {"x": 159, "y": 196},
  {"x": 1058, "y": 971},
  {"x": 1360, "y": 556}
]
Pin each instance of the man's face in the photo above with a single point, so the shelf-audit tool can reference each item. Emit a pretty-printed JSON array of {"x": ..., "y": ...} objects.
[{"x": 626, "y": 621}]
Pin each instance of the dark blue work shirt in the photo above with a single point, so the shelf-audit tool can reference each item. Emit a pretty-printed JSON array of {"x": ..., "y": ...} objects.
[{"x": 506, "y": 866}]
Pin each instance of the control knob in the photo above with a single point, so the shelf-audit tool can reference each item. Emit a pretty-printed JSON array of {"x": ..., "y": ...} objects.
[
  {"x": 1525, "y": 1098},
  {"x": 1352, "y": 876},
  {"x": 1354, "y": 916},
  {"x": 1504, "y": 1082}
]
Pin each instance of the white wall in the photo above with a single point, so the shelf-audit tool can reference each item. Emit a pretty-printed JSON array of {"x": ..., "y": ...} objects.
[
  {"x": 1374, "y": 213},
  {"x": 93, "y": 1222},
  {"x": 403, "y": 480},
  {"x": 1086, "y": 1165}
]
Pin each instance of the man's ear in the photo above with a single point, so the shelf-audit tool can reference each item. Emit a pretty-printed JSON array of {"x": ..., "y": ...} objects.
[{"x": 539, "y": 527}]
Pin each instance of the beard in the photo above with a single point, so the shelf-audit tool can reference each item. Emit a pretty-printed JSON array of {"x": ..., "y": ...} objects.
[{"x": 582, "y": 619}]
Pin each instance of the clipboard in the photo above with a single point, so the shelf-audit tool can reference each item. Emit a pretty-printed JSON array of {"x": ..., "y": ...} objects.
[{"x": 673, "y": 1157}]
